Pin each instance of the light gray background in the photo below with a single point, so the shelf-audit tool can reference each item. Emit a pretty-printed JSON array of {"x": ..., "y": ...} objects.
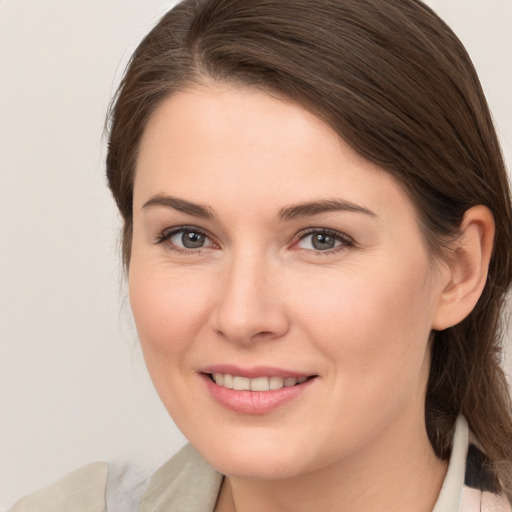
[{"x": 73, "y": 388}]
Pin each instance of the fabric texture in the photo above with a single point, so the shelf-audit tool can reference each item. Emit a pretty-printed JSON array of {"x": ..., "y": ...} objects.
[
  {"x": 187, "y": 483},
  {"x": 125, "y": 486},
  {"x": 80, "y": 491}
]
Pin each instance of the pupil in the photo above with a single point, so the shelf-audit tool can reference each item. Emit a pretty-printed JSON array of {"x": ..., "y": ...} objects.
[
  {"x": 192, "y": 240},
  {"x": 323, "y": 242}
]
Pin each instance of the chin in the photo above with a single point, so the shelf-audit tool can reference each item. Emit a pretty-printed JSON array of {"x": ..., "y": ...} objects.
[{"x": 257, "y": 459}]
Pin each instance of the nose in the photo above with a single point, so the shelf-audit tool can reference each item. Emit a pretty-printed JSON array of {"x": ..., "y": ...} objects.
[{"x": 251, "y": 302}]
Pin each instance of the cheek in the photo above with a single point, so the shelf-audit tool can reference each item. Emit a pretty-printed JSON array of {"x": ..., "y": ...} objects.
[
  {"x": 169, "y": 309},
  {"x": 374, "y": 333},
  {"x": 371, "y": 324}
]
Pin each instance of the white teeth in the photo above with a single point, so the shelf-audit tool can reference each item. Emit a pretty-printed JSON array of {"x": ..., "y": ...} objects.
[
  {"x": 228, "y": 381},
  {"x": 276, "y": 382},
  {"x": 257, "y": 384},
  {"x": 241, "y": 383},
  {"x": 260, "y": 384}
]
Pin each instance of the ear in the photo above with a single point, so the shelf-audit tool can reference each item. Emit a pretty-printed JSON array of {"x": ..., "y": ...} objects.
[{"x": 467, "y": 268}]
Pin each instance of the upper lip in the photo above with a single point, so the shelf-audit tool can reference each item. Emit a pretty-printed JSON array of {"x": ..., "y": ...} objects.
[{"x": 253, "y": 372}]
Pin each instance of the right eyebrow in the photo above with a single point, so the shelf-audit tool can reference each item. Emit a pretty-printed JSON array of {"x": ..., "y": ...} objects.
[
  {"x": 310, "y": 209},
  {"x": 181, "y": 205}
]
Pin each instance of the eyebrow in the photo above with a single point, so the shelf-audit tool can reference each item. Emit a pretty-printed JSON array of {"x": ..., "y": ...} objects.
[
  {"x": 181, "y": 205},
  {"x": 301, "y": 210},
  {"x": 291, "y": 212}
]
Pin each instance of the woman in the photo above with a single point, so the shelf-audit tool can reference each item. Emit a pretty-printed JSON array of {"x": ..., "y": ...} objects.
[{"x": 317, "y": 239}]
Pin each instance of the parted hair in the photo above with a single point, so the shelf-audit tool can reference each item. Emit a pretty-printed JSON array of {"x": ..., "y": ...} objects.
[{"x": 393, "y": 80}]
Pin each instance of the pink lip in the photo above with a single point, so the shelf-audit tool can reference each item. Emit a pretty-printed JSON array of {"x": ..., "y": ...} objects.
[
  {"x": 254, "y": 372},
  {"x": 254, "y": 402}
]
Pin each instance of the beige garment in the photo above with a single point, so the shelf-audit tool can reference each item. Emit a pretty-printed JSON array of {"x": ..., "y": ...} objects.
[
  {"x": 186, "y": 483},
  {"x": 80, "y": 491}
]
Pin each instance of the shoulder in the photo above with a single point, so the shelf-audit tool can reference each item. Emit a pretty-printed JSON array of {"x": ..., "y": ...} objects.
[
  {"x": 82, "y": 490},
  {"x": 185, "y": 482}
]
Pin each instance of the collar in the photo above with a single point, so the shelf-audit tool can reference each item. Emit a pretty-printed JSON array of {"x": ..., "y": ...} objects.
[{"x": 451, "y": 490}]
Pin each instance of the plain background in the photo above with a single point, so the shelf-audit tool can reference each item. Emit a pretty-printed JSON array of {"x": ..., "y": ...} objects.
[{"x": 73, "y": 387}]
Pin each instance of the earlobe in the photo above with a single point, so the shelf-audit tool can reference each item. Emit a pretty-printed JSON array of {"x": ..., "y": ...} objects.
[{"x": 467, "y": 268}]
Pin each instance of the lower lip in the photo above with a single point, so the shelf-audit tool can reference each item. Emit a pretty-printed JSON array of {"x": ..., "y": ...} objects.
[{"x": 254, "y": 402}]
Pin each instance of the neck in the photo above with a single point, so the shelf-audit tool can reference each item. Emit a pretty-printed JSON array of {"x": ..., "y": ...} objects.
[{"x": 395, "y": 470}]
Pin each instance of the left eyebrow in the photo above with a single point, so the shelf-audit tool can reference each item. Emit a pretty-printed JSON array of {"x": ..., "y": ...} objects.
[
  {"x": 181, "y": 205},
  {"x": 301, "y": 210}
]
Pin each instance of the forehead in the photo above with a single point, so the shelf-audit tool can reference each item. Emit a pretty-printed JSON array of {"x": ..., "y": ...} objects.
[
  {"x": 239, "y": 145},
  {"x": 225, "y": 115}
]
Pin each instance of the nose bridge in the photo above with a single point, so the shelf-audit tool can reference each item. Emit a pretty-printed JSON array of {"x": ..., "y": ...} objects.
[{"x": 249, "y": 302}]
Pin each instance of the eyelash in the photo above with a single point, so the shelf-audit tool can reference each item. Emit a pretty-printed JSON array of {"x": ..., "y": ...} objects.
[{"x": 345, "y": 241}]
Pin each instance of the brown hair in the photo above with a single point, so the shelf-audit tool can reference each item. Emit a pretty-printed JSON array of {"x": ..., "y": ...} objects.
[{"x": 395, "y": 82}]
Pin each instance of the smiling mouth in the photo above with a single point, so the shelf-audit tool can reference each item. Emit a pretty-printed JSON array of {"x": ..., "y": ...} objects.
[{"x": 271, "y": 383}]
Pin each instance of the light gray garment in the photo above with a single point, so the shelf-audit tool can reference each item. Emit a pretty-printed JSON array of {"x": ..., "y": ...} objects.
[
  {"x": 185, "y": 483},
  {"x": 125, "y": 486}
]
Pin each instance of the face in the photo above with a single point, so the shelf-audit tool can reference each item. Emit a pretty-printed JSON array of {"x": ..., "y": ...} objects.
[{"x": 280, "y": 285}]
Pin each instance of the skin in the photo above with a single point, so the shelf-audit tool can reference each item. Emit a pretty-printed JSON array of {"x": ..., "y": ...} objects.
[{"x": 359, "y": 316}]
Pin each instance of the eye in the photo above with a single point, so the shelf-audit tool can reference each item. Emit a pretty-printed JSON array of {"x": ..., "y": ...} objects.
[
  {"x": 185, "y": 239},
  {"x": 188, "y": 239},
  {"x": 322, "y": 240}
]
